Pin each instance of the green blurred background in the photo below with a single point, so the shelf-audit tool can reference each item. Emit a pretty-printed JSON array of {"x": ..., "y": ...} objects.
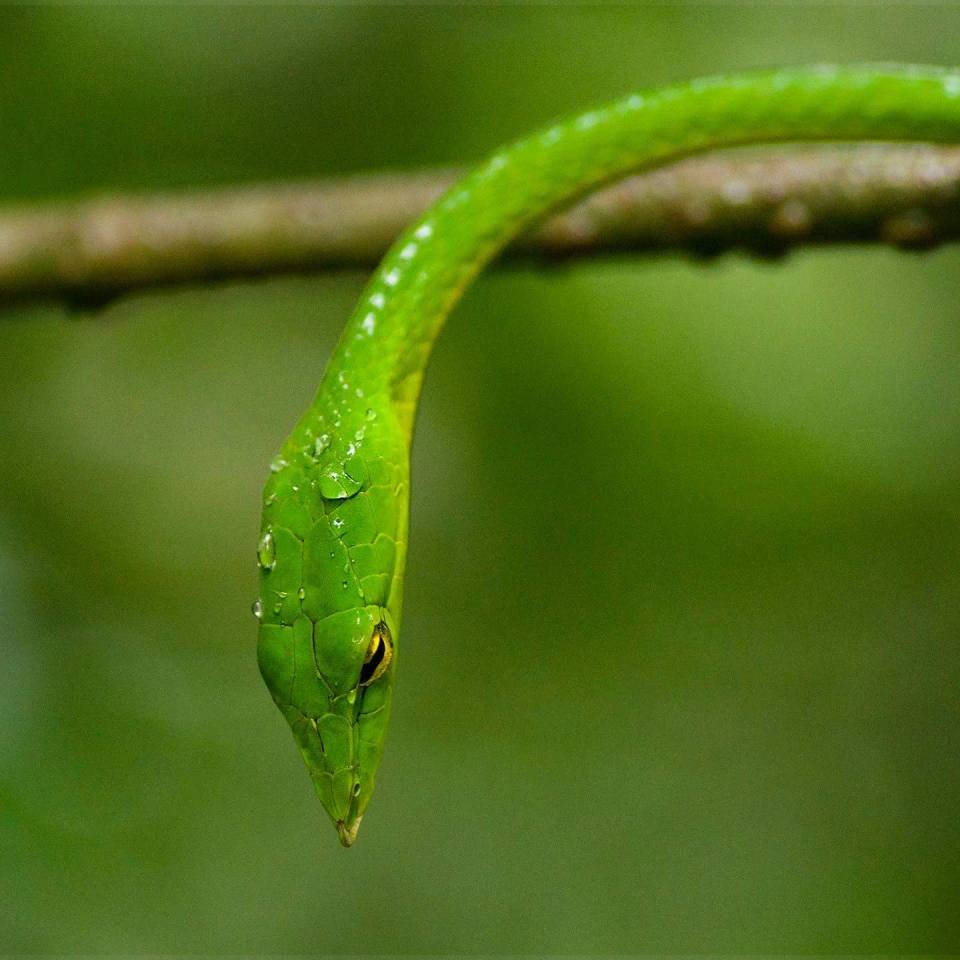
[{"x": 681, "y": 651}]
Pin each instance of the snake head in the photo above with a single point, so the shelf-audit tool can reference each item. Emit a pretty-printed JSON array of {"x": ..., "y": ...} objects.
[
  {"x": 336, "y": 701},
  {"x": 328, "y": 628}
]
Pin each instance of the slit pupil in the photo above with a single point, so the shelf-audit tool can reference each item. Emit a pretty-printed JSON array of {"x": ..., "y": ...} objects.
[{"x": 370, "y": 667}]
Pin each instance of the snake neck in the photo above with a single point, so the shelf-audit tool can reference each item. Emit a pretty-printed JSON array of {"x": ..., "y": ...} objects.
[{"x": 387, "y": 342}]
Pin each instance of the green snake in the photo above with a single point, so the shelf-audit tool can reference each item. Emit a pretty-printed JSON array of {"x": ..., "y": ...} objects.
[{"x": 334, "y": 530}]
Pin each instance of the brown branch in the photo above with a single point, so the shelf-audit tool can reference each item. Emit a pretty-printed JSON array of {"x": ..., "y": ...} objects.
[{"x": 765, "y": 202}]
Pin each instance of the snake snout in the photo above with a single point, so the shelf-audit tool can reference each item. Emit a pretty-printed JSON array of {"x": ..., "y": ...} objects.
[{"x": 348, "y": 831}]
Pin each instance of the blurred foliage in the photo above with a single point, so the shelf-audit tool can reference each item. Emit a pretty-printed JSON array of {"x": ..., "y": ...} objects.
[{"x": 680, "y": 663}]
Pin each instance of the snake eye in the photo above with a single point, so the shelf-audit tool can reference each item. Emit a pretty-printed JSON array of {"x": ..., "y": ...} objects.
[{"x": 379, "y": 655}]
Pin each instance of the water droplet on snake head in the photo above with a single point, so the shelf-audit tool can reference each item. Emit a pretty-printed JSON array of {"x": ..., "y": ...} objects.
[
  {"x": 301, "y": 593},
  {"x": 330, "y": 486},
  {"x": 257, "y": 609},
  {"x": 277, "y": 464},
  {"x": 343, "y": 483},
  {"x": 267, "y": 550},
  {"x": 371, "y": 413}
]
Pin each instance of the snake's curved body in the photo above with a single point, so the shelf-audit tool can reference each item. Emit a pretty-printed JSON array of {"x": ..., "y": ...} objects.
[{"x": 333, "y": 538}]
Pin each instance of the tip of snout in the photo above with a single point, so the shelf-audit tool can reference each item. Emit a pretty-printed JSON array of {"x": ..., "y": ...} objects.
[{"x": 348, "y": 831}]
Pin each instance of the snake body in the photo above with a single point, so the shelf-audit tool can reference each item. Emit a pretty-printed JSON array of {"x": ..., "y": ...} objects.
[{"x": 334, "y": 529}]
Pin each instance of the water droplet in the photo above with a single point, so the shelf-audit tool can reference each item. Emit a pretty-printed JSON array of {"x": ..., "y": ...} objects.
[
  {"x": 371, "y": 413},
  {"x": 267, "y": 550},
  {"x": 351, "y": 450},
  {"x": 321, "y": 444},
  {"x": 736, "y": 192},
  {"x": 408, "y": 252},
  {"x": 270, "y": 500},
  {"x": 330, "y": 486},
  {"x": 257, "y": 609},
  {"x": 337, "y": 523},
  {"x": 423, "y": 231},
  {"x": 277, "y": 464},
  {"x": 352, "y": 696},
  {"x": 791, "y": 219},
  {"x": 911, "y": 228},
  {"x": 345, "y": 584},
  {"x": 338, "y": 485},
  {"x": 392, "y": 278},
  {"x": 356, "y": 789},
  {"x": 378, "y": 300},
  {"x": 277, "y": 607},
  {"x": 301, "y": 593}
]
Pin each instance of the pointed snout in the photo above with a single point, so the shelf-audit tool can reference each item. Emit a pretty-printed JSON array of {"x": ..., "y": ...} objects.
[{"x": 347, "y": 829}]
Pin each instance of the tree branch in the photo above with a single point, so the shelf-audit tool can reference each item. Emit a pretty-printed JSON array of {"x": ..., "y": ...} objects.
[{"x": 765, "y": 202}]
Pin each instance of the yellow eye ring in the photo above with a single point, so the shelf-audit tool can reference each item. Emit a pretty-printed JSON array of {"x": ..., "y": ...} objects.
[{"x": 378, "y": 656}]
